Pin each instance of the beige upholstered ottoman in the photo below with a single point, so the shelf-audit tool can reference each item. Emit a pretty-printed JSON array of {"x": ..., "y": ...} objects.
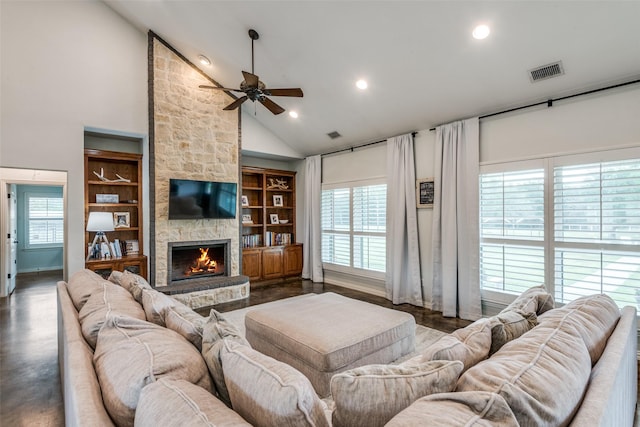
[{"x": 323, "y": 334}]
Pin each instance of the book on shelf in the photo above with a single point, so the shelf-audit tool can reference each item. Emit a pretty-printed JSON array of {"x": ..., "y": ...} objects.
[
  {"x": 251, "y": 240},
  {"x": 277, "y": 239},
  {"x": 132, "y": 247}
]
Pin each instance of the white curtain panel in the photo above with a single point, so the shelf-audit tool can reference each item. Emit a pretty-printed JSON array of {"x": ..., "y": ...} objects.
[
  {"x": 456, "y": 282},
  {"x": 312, "y": 237},
  {"x": 402, "y": 282}
]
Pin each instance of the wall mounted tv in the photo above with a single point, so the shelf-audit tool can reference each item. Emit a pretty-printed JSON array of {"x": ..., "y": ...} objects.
[{"x": 190, "y": 199}]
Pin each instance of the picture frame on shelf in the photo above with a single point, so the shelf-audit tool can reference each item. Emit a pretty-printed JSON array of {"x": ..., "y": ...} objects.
[
  {"x": 121, "y": 220},
  {"x": 245, "y": 201},
  {"x": 278, "y": 200},
  {"x": 107, "y": 198},
  {"x": 246, "y": 219},
  {"x": 274, "y": 218},
  {"x": 424, "y": 193}
]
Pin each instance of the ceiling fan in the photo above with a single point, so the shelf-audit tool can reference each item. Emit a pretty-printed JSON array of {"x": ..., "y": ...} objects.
[{"x": 255, "y": 90}]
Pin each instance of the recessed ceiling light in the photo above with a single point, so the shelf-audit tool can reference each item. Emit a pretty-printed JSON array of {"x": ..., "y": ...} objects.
[
  {"x": 481, "y": 32},
  {"x": 293, "y": 114},
  {"x": 361, "y": 84},
  {"x": 204, "y": 60}
]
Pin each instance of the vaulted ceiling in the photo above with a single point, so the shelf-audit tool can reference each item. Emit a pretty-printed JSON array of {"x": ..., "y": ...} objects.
[{"x": 421, "y": 63}]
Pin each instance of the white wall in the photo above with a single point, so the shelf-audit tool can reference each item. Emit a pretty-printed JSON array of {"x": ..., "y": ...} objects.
[
  {"x": 256, "y": 139},
  {"x": 604, "y": 120},
  {"x": 66, "y": 66}
]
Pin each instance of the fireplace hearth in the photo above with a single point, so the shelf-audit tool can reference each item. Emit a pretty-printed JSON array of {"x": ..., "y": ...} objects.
[{"x": 197, "y": 260}]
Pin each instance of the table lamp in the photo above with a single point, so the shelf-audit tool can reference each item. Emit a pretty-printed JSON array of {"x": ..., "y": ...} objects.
[{"x": 99, "y": 222}]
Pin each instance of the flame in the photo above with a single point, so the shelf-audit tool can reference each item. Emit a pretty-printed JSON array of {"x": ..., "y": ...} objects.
[{"x": 202, "y": 264}]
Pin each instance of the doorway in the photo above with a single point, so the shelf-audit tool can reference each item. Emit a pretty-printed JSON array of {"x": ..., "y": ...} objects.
[{"x": 32, "y": 222}]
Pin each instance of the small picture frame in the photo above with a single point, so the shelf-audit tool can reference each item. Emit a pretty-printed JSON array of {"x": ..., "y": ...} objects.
[
  {"x": 246, "y": 219},
  {"x": 107, "y": 198},
  {"x": 278, "y": 200},
  {"x": 274, "y": 218},
  {"x": 121, "y": 220},
  {"x": 245, "y": 201},
  {"x": 424, "y": 193}
]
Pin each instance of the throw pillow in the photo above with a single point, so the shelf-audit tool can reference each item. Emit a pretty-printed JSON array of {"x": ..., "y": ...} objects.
[
  {"x": 469, "y": 345},
  {"x": 133, "y": 353},
  {"x": 266, "y": 392},
  {"x": 178, "y": 403},
  {"x": 115, "y": 277},
  {"x": 134, "y": 283},
  {"x": 469, "y": 409},
  {"x": 508, "y": 326},
  {"x": 376, "y": 393},
  {"x": 81, "y": 285},
  {"x": 109, "y": 300},
  {"x": 154, "y": 303},
  {"x": 186, "y": 322},
  {"x": 534, "y": 300},
  {"x": 214, "y": 331}
]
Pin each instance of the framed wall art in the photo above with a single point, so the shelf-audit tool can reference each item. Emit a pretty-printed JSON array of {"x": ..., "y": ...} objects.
[{"x": 424, "y": 193}]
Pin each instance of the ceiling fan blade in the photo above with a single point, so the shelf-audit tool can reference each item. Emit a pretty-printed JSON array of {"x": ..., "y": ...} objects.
[
  {"x": 218, "y": 87},
  {"x": 235, "y": 104},
  {"x": 284, "y": 92},
  {"x": 271, "y": 106},
  {"x": 250, "y": 79}
]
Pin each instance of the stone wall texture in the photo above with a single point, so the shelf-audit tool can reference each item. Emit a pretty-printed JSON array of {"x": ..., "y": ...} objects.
[{"x": 194, "y": 139}]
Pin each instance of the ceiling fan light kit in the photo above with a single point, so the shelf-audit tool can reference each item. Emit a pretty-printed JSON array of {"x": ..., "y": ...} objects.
[{"x": 255, "y": 90}]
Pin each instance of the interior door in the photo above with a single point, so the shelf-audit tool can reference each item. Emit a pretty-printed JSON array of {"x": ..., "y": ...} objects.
[{"x": 12, "y": 239}]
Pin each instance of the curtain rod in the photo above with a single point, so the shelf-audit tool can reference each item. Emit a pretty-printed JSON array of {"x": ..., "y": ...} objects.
[
  {"x": 550, "y": 102},
  {"x": 360, "y": 146}
]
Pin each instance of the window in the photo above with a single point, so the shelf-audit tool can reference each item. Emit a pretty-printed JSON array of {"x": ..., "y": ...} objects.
[
  {"x": 45, "y": 225},
  {"x": 584, "y": 240},
  {"x": 354, "y": 226}
]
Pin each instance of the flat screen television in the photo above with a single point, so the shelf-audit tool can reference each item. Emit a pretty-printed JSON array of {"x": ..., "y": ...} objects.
[{"x": 190, "y": 199}]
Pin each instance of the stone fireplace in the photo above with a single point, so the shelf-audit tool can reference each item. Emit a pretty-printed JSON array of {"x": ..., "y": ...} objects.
[{"x": 197, "y": 261}]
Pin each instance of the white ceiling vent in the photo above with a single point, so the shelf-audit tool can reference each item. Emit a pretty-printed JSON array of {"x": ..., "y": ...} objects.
[
  {"x": 546, "y": 72},
  {"x": 334, "y": 134}
]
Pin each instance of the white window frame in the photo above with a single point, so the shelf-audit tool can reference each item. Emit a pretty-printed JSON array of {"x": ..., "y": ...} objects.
[
  {"x": 549, "y": 243},
  {"x": 27, "y": 221},
  {"x": 373, "y": 274}
]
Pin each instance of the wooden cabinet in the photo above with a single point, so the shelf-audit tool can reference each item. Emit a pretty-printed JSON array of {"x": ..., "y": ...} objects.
[
  {"x": 113, "y": 184},
  {"x": 268, "y": 219},
  {"x": 134, "y": 263},
  {"x": 292, "y": 260}
]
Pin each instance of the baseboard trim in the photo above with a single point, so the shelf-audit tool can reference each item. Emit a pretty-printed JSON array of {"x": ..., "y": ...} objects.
[{"x": 38, "y": 270}]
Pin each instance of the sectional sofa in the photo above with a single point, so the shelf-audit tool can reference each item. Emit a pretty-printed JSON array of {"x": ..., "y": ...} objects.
[{"x": 130, "y": 355}]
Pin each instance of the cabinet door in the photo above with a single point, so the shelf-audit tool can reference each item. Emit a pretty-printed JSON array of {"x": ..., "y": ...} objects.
[
  {"x": 252, "y": 264},
  {"x": 272, "y": 265},
  {"x": 293, "y": 260},
  {"x": 138, "y": 266}
]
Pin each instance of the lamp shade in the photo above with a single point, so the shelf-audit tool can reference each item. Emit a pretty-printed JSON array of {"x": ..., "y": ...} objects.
[{"x": 100, "y": 221}]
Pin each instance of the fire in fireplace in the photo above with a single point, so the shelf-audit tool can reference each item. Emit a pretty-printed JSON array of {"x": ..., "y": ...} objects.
[
  {"x": 191, "y": 260},
  {"x": 202, "y": 265}
]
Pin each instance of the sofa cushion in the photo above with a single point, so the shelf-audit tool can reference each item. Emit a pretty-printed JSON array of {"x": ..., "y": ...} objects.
[
  {"x": 186, "y": 322},
  {"x": 542, "y": 375},
  {"x": 134, "y": 283},
  {"x": 178, "y": 403},
  {"x": 376, "y": 393},
  {"x": 469, "y": 345},
  {"x": 115, "y": 277},
  {"x": 534, "y": 300},
  {"x": 154, "y": 304},
  {"x": 508, "y": 326},
  {"x": 467, "y": 409},
  {"x": 81, "y": 285},
  {"x": 214, "y": 331},
  {"x": 133, "y": 353},
  {"x": 108, "y": 300},
  {"x": 594, "y": 316},
  {"x": 266, "y": 392}
]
